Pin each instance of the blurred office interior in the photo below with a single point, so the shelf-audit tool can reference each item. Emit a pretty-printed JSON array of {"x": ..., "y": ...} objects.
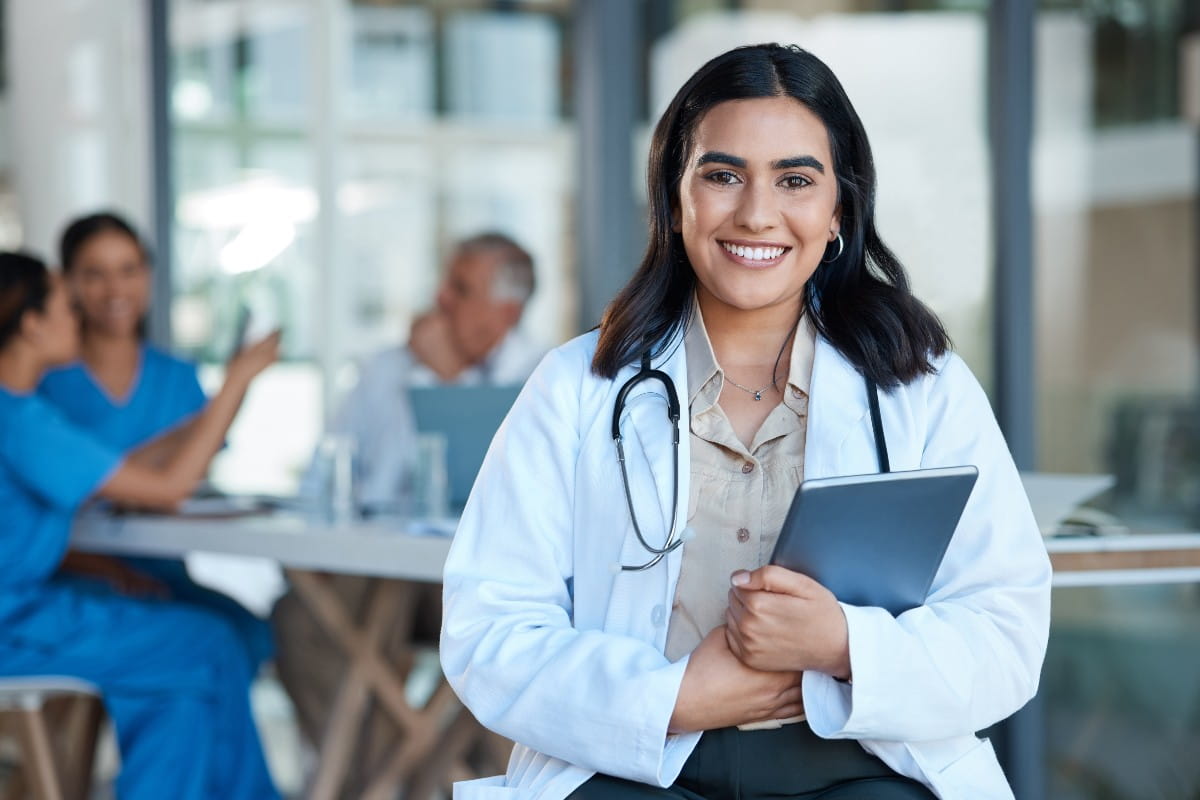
[{"x": 313, "y": 160}]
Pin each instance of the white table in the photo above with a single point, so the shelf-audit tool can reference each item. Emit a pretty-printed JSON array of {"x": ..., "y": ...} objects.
[
  {"x": 385, "y": 549},
  {"x": 1125, "y": 559},
  {"x": 431, "y": 752},
  {"x": 435, "y": 735}
]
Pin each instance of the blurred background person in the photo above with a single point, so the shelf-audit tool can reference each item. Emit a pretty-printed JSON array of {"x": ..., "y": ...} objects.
[
  {"x": 171, "y": 675},
  {"x": 125, "y": 392},
  {"x": 470, "y": 337}
]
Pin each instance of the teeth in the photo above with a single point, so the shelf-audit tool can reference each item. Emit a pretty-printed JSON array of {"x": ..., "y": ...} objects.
[{"x": 754, "y": 253}]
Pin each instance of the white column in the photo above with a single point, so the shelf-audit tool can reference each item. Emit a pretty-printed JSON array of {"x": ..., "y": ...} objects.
[{"x": 78, "y": 112}]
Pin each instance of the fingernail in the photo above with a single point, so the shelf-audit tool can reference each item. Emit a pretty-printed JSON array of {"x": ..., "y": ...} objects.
[{"x": 740, "y": 578}]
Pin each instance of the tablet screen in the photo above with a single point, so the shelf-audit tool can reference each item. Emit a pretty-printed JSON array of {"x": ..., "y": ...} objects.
[{"x": 875, "y": 540}]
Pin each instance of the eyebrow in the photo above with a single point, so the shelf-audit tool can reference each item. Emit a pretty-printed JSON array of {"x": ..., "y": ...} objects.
[{"x": 717, "y": 157}]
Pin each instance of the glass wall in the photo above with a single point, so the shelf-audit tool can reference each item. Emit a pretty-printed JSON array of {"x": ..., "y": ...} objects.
[
  {"x": 1115, "y": 181},
  {"x": 327, "y": 155},
  {"x": 1115, "y": 176},
  {"x": 1122, "y": 694}
]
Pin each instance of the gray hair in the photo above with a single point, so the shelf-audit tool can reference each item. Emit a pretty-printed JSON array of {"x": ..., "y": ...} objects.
[{"x": 514, "y": 279}]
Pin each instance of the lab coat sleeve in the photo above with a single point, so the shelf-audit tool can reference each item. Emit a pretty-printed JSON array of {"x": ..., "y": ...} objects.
[
  {"x": 972, "y": 654},
  {"x": 594, "y": 699}
]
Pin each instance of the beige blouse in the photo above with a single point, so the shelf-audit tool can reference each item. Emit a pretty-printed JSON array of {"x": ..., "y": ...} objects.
[{"x": 739, "y": 497}]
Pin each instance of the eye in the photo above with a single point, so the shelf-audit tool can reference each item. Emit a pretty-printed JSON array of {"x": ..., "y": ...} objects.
[
  {"x": 722, "y": 176},
  {"x": 795, "y": 181}
]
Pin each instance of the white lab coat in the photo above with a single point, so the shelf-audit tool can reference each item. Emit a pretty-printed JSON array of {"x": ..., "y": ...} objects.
[{"x": 548, "y": 644}]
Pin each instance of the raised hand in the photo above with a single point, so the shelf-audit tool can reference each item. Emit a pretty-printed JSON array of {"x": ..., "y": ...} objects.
[{"x": 252, "y": 359}]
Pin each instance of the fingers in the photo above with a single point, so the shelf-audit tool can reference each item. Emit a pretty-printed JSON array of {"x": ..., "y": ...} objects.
[
  {"x": 788, "y": 702},
  {"x": 772, "y": 578},
  {"x": 794, "y": 693},
  {"x": 732, "y": 637}
]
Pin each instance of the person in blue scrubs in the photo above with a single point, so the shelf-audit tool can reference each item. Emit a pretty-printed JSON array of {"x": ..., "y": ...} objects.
[
  {"x": 127, "y": 393},
  {"x": 171, "y": 675}
]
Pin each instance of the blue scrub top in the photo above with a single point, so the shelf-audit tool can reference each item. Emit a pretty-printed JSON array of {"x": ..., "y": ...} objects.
[
  {"x": 165, "y": 393},
  {"x": 48, "y": 467}
]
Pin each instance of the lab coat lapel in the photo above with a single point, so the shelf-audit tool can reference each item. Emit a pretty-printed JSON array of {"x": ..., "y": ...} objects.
[{"x": 837, "y": 406}]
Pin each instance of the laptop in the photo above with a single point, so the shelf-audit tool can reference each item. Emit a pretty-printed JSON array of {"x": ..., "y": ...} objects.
[{"x": 468, "y": 416}]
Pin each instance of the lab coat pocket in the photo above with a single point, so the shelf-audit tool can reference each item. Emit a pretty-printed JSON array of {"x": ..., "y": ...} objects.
[{"x": 492, "y": 788}]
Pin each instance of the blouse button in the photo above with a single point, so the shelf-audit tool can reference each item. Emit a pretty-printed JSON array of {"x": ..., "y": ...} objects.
[
  {"x": 747, "y": 468},
  {"x": 796, "y": 393},
  {"x": 743, "y": 535}
]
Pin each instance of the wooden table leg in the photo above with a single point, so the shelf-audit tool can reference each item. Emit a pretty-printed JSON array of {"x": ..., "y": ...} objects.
[
  {"x": 389, "y": 603},
  {"x": 429, "y": 747}
]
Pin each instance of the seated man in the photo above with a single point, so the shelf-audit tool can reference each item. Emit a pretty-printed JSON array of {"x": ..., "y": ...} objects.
[{"x": 470, "y": 337}]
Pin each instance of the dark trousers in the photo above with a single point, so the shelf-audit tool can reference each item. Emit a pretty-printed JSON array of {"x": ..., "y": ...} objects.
[{"x": 787, "y": 762}]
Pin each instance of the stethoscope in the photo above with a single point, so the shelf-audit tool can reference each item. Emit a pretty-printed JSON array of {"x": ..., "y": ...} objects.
[{"x": 675, "y": 540}]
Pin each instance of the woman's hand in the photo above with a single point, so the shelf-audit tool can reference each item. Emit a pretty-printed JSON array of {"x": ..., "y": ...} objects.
[
  {"x": 781, "y": 620},
  {"x": 252, "y": 359},
  {"x": 719, "y": 691}
]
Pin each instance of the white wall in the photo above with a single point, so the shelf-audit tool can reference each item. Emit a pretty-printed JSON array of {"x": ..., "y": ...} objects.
[{"x": 77, "y": 111}]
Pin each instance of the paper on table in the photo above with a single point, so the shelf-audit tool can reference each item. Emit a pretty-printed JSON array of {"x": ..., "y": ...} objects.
[
  {"x": 1054, "y": 496},
  {"x": 433, "y": 526},
  {"x": 221, "y": 506}
]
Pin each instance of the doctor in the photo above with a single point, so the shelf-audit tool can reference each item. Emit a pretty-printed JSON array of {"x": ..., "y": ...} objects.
[{"x": 626, "y": 665}]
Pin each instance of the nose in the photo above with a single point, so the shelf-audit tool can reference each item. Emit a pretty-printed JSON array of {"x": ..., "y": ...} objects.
[
  {"x": 444, "y": 298},
  {"x": 757, "y": 208}
]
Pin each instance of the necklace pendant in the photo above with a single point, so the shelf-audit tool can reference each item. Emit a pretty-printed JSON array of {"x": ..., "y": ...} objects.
[{"x": 758, "y": 395}]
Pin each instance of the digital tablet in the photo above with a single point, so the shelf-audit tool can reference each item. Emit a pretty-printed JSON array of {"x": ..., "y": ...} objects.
[{"x": 875, "y": 540}]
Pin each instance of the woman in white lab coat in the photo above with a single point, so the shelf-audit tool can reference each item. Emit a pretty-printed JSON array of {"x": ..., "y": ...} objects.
[{"x": 765, "y": 313}]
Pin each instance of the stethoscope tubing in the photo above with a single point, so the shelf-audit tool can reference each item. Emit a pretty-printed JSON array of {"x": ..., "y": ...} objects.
[{"x": 674, "y": 541}]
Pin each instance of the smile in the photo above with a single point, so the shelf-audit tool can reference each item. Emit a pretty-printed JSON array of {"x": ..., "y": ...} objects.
[{"x": 765, "y": 254}]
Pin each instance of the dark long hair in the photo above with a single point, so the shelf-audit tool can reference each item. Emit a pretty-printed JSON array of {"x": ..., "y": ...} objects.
[
  {"x": 82, "y": 229},
  {"x": 24, "y": 286},
  {"x": 859, "y": 300}
]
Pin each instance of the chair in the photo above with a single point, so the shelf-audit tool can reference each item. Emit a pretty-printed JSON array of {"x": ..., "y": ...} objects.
[{"x": 56, "y": 740}]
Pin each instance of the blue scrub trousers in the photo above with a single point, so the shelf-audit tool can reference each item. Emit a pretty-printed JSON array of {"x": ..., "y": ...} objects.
[
  {"x": 253, "y": 631},
  {"x": 174, "y": 679}
]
